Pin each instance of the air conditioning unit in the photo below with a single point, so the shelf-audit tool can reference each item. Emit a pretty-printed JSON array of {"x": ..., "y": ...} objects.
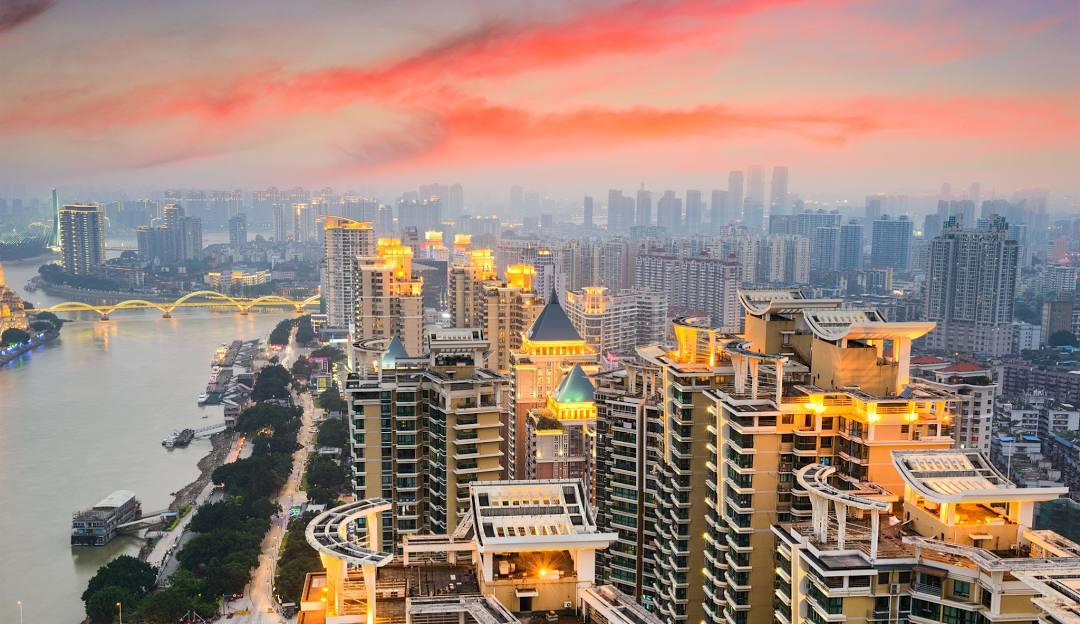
[
  {"x": 894, "y": 588},
  {"x": 567, "y": 605}
]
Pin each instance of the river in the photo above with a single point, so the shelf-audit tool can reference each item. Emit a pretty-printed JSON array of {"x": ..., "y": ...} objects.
[{"x": 85, "y": 415}]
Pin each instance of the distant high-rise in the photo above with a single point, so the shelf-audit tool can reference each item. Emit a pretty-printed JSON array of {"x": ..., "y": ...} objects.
[
  {"x": 694, "y": 285},
  {"x": 851, "y": 247},
  {"x": 617, "y": 322},
  {"x": 82, "y": 232},
  {"x": 238, "y": 231},
  {"x": 825, "y": 249},
  {"x": 695, "y": 209},
  {"x": 753, "y": 215},
  {"x": 587, "y": 211},
  {"x": 755, "y": 185},
  {"x": 343, "y": 241},
  {"x": 962, "y": 209},
  {"x": 875, "y": 207},
  {"x": 517, "y": 200},
  {"x": 644, "y": 208},
  {"x": 971, "y": 288},
  {"x": 669, "y": 212},
  {"x": 718, "y": 210},
  {"x": 735, "y": 195},
  {"x": 455, "y": 200},
  {"x": 778, "y": 195},
  {"x": 932, "y": 226},
  {"x": 303, "y": 225},
  {"x": 615, "y": 221},
  {"x": 281, "y": 222},
  {"x": 891, "y": 244}
]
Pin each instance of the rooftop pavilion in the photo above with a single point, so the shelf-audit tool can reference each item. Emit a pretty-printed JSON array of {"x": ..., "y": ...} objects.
[{"x": 961, "y": 497}]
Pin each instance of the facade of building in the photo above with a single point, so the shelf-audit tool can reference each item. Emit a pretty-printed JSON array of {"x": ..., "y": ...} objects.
[
  {"x": 82, "y": 238},
  {"x": 388, "y": 296},
  {"x": 971, "y": 288},
  {"x": 561, "y": 436},
  {"x": 1057, "y": 316},
  {"x": 12, "y": 308},
  {"x": 237, "y": 231},
  {"x": 617, "y": 322},
  {"x": 699, "y": 284},
  {"x": 891, "y": 244},
  {"x": 424, "y": 427},
  {"x": 972, "y": 384},
  {"x": 549, "y": 350},
  {"x": 344, "y": 240}
]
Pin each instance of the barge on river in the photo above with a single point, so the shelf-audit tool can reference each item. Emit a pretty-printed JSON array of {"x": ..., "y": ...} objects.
[{"x": 98, "y": 525}]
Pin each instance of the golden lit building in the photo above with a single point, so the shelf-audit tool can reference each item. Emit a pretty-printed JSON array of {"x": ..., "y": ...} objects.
[
  {"x": 526, "y": 550},
  {"x": 549, "y": 349},
  {"x": 561, "y": 436},
  {"x": 477, "y": 298},
  {"x": 953, "y": 544},
  {"x": 388, "y": 296},
  {"x": 343, "y": 241},
  {"x": 12, "y": 308}
]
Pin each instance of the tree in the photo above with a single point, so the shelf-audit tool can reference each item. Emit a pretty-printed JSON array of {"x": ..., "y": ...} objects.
[
  {"x": 1062, "y": 338},
  {"x": 134, "y": 576},
  {"x": 301, "y": 368},
  {"x": 50, "y": 317},
  {"x": 335, "y": 354},
  {"x": 14, "y": 335},
  {"x": 271, "y": 383},
  {"x": 101, "y": 605},
  {"x": 334, "y": 433},
  {"x": 305, "y": 333},
  {"x": 331, "y": 401}
]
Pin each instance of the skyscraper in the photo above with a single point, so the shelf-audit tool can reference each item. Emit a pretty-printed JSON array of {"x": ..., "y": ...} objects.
[
  {"x": 695, "y": 210},
  {"x": 778, "y": 195},
  {"x": 343, "y": 241},
  {"x": 669, "y": 212},
  {"x": 644, "y": 208},
  {"x": 825, "y": 249},
  {"x": 755, "y": 185},
  {"x": 875, "y": 207},
  {"x": 616, "y": 323},
  {"x": 698, "y": 285},
  {"x": 735, "y": 195},
  {"x": 82, "y": 233},
  {"x": 389, "y": 299},
  {"x": 718, "y": 210},
  {"x": 237, "y": 231},
  {"x": 587, "y": 210},
  {"x": 851, "y": 246},
  {"x": 282, "y": 222},
  {"x": 891, "y": 244},
  {"x": 971, "y": 287}
]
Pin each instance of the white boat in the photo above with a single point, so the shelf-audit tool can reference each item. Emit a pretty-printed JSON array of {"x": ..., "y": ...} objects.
[{"x": 202, "y": 397}]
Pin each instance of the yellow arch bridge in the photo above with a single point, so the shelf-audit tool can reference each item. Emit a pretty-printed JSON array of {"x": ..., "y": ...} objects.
[{"x": 197, "y": 299}]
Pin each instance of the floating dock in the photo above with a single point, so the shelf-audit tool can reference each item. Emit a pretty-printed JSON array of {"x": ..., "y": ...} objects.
[{"x": 98, "y": 525}]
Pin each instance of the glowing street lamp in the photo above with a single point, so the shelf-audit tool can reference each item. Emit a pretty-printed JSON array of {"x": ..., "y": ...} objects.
[
  {"x": 19, "y": 602},
  {"x": 120, "y": 606}
]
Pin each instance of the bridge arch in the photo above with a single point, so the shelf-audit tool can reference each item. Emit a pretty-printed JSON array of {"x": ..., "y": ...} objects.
[
  {"x": 213, "y": 294},
  {"x": 75, "y": 306},
  {"x": 312, "y": 299},
  {"x": 273, "y": 300},
  {"x": 135, "y": 304}
]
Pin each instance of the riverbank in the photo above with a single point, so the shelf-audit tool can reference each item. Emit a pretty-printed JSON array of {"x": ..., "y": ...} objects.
[
  {"x": 98, "y": 296},
  {"x": 13, "y": 353},
  {"x": 189, "y": 495}
]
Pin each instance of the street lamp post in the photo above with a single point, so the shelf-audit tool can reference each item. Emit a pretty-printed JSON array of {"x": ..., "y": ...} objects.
[
  {"x": 120, "y": 606},
  {"x": 19, "y": 602}
]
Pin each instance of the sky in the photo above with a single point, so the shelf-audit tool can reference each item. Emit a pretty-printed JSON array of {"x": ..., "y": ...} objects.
[{"x": 565, "y": 96}]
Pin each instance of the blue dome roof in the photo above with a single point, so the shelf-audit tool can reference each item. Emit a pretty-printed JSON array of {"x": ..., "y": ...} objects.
[{"x": 575, "y": 387}]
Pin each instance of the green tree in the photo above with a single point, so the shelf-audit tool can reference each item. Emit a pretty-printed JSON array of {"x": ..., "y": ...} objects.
[
  {"x": 50, "y": 317},
  {"x": 14, "y": 335},
  {"x": 1062, "y": 338},
  {"x": 333, "y": 432},
  {"x": 331, "y": 401},
  {"x": 41, "y": 326},
  {"x": 305, "y": 333},
  {"x": 272, "y": 382},
  {"x": 101, "y": 605},
  {"x": 134, "y": 576},
  {"x": 335, "y": 354},
  {"x": 301, "y": 368}
]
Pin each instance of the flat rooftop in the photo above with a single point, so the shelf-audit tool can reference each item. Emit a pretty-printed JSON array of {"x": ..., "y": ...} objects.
[{"x": 526, "y": 515}]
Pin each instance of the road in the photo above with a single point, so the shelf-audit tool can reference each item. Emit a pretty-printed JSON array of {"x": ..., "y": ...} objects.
[{"x": 259, "y": 597}]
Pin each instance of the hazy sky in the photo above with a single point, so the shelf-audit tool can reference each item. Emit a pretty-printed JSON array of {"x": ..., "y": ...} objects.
[{"x": 855, "y": 97}]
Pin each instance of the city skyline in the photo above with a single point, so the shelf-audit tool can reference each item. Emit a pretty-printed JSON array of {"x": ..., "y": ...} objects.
[{"x": 565, "y": 96}]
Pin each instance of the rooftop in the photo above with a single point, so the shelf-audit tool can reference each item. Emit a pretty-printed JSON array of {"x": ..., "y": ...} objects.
[
  {"x": 575, "y": 387},
  {"x": 954, "y": 476},
  {"x": 532, "y": 515},
  {"x": 553, "y": 325}
]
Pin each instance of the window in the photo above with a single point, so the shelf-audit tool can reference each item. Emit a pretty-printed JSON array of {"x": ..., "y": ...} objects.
[
  {"x": 903, "y": 577},
  {"x": 787, "y": 419},
  {"x": 883, "y": 578},
  {"x": 881, "y": 604},
  {"x": 952, "y": 615},
  {"x": 961, "y": 590},
  {"x": 924, "y": 609}
]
